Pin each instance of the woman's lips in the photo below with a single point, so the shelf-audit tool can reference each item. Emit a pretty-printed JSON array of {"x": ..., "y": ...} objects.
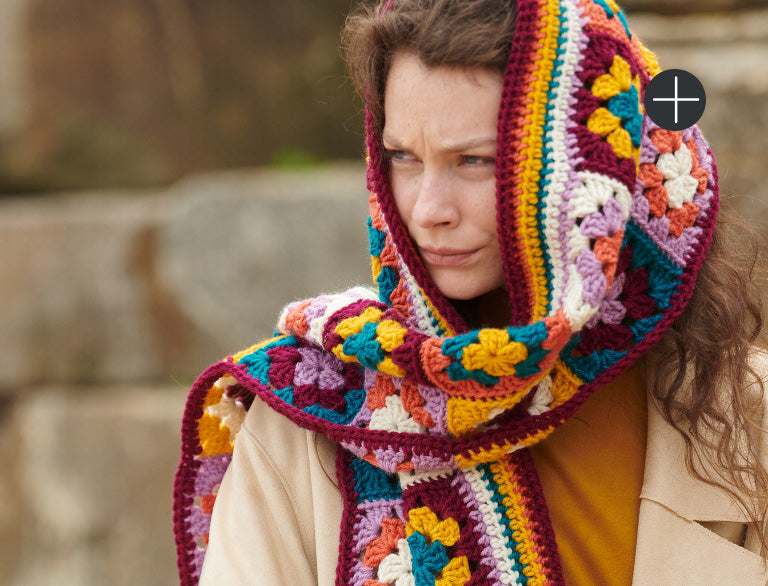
[{"x": 446, "y": 257}]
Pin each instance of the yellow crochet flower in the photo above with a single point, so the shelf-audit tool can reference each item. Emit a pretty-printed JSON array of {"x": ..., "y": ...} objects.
[
  {"x": 390, "y": 334},
  {"x": 426, "y": 522},
  {"x": 494, "y": 353},
  {"x": 456, "y": 573},
  {"x": 619, "y": 79},
  {"x": 388, "y": 367},
  {"x": 608, "y": 125},
  {"x": 622, "y": 130},
  {"x": 215, "y": 437},
  {"x": 354, "y": 325}
]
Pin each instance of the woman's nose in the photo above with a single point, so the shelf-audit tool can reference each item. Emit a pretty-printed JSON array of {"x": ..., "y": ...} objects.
[{"x": 435, "y": 203}]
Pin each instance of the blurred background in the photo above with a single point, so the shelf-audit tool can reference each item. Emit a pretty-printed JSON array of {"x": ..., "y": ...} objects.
[{"x": 171, "y": 173}]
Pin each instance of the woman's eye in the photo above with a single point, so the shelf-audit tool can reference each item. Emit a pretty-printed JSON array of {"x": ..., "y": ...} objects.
[
  {"x": 399, "y": 155},
  {"x": 477, "y": 160}
]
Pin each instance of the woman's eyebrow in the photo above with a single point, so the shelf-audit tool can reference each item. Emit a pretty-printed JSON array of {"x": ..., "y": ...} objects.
[
  {"x": 392, "y": 141},
  {"x": 463, "y": 145},
  {"x": 470, "y": 144}
]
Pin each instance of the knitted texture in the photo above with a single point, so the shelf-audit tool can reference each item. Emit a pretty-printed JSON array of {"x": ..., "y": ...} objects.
[{"x": 604, "y": 220}]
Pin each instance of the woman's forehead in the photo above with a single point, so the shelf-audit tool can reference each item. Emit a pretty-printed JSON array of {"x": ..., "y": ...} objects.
[{"x": 458, "y": 105}]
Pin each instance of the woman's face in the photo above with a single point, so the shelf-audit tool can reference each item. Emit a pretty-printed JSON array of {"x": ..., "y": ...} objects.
[{"x": 440, "y": 139}]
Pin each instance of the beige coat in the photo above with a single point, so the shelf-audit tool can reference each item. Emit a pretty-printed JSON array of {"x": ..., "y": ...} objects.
[{"x": 277, "y": 517}]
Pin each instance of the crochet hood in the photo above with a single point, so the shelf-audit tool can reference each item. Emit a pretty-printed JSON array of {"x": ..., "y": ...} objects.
[{"x": 604, "y": 220}]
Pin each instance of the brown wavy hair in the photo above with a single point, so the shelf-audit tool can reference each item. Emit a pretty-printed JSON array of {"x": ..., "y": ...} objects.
[
  {"x": 706, "y": 377},
  {"x": 440, "y": 32},
  {"x": 702, "y": 374}
]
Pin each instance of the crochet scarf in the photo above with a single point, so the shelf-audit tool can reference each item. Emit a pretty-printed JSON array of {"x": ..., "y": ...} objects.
[{"x": 604, "y": 220}]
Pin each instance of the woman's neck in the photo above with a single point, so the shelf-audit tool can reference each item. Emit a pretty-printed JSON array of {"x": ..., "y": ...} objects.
[{"x": 490, "y": 310}]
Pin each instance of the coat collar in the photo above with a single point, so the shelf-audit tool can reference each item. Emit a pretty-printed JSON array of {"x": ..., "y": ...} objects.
[
  {"x": 673, "y": 547},
  {"x": 668, "y": 481}
]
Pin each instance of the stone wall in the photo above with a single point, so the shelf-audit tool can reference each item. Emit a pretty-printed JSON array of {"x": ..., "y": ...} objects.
[
  {"x": 112, "y": 301},
  {"x": 139, "y": 286},
  {"x": 110, "y": 304},
  {"x": 143, "y": 92},
  {"x": 85, "y": 490}
]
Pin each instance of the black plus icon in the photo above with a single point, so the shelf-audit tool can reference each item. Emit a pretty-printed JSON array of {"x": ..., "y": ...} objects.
[{"x": 684, "y": 91}]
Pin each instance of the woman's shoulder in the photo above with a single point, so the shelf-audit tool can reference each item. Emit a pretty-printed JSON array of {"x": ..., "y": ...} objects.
[
  {"x": 278, "y": 494},
  {"x": 283, "y": 444}
]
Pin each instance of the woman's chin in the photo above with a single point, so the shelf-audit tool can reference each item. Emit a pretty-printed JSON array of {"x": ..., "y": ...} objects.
[
  {"x": 464, "y": 288},
  {"x": 462, "y": 293}
]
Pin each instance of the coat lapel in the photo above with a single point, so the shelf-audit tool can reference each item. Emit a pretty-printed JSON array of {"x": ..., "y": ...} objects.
[{"x": 672, "y": 546}]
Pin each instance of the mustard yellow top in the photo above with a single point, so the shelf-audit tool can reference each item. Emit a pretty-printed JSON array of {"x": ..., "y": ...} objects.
[{"x": 591, "y": 470}]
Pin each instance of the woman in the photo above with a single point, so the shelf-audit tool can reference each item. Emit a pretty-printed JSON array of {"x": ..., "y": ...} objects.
[{"x": 495, "y": 413}]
